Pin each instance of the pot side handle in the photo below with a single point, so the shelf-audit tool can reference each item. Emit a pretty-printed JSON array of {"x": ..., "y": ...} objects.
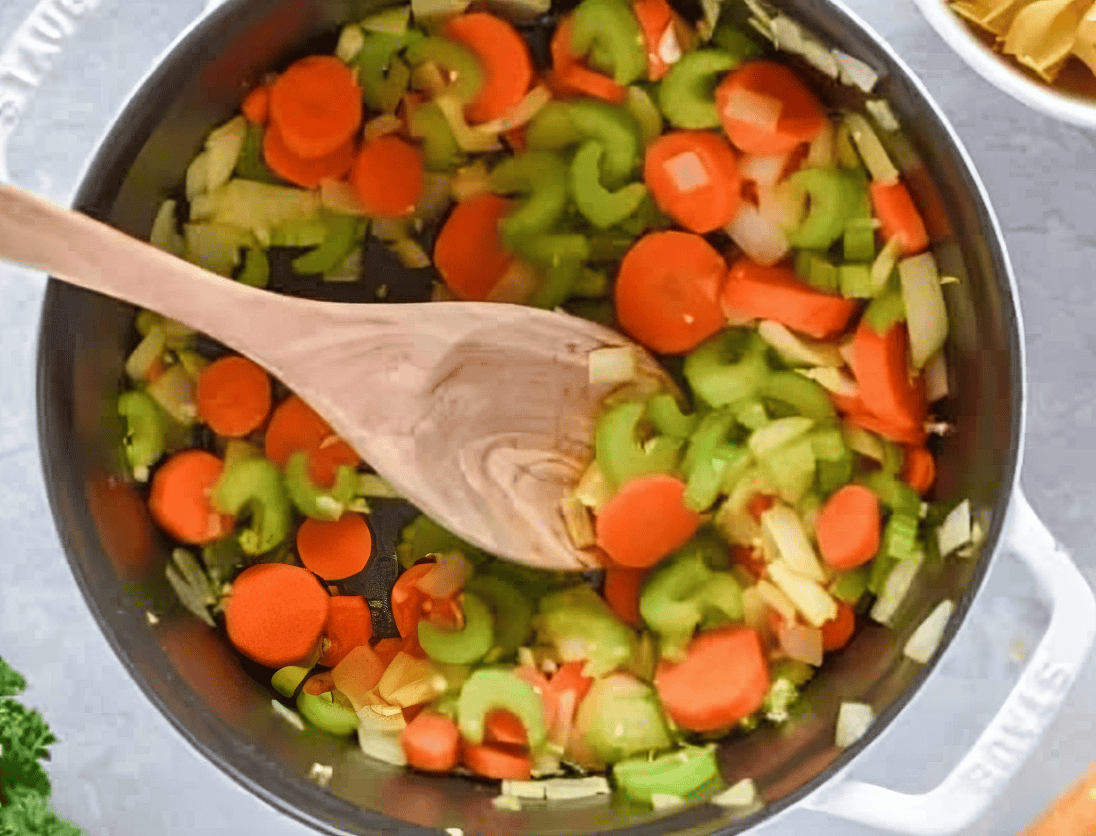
[{"x": 1014, "y": 732}]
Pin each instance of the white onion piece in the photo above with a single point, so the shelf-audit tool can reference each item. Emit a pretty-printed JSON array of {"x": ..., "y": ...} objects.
[
  {"x": 955, "y": 531},
  {"x": 755, "y": 609},
  {"x": 742, "y": 794},
  {"x": 798, "y": 350},
  {"x": 758, "y": 236},
  {"x": 612, "y": 364},
  {"x": 926, "y": 638},
  {"x": 337, "y": 196},
  {"x": 687, "y": 172},
  {"x": 784, "y": 204},
  {"x": 802, "y": 643},
  {"x": 855, "y": 72},
  {"x": 669, "y": 50},
  {"x": 881, "y": 112},
  {"x": 224, "y": 146},
  {"x": 383, "y": 747},
  {"x": 897, "y": 585},
  {"x": 884, "y": 263},
  {"x": 809, "y": 598},
  {"x": 785, "y": 528},
  {"x": 764, "y": 170},
  {"x": 832, "y": 379},
  {"x": 519, "y": 114},
  {"x": 756, "y": 109},
  {"x": 822, "y": 151},
  {"x": 380, "y": 126},
  {"x": 926, "y": 315},
  {"x": 776, "y": 599},
  {"x": 863, "y": 442},
  {"x": 875, "y": 156},
  {"x": 853, "y": 719},
  {"x": 936, "y": 377}
]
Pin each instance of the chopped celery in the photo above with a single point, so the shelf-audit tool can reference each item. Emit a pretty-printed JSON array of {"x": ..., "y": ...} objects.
[
  {"x": 859, "y": 240},
  {"x": 687, "y": 93},
  {"x": 299, "y": 232},
  {"x": 926, "y": 316},
  {"x": 223, "y": 558},
  {"x": 552, "y": 129},
  {"x": 542, "y": 179},
  {"x": 439, "y": 147},
  {"x": 250, "y": 165},
  {"x": 350, "y": 43},
  {"x": 895, "y": 588},
  {"x": 849, "y": 586},
  {"x": 621, "y": 454},
  {"x": 879, "y": 569},
  {"x": 251, "y": 205},
  {"x": 493, "y": 689},
  {"x": 892, "y": 492},
  {"x": 667, "y": 417},
  {"x": 680, "y": 594},
  {"x": 737, "y": 43},
  {"x": 855, "y": 281},
  {"x": 817, "y": 271},
  {"x": 165, "y": 234},
  {"x": 580, "y": 626},
  {"x": 830, "y": 203},
  {"x": 681, "y": 773},
  {"x": 341, "y": 236},
  {"x": 831, "y": 474},
  {"x": 799, "y": 393},
  {"x": 591, "y": 284},
  {"x": 778, "y": 701},
  {"x": 512, "y": 613},
  {"x": 796, "y": 672},
  {"x": 752, "y": 414},
  {"x": 792, "y": 470},
  {"x": 254, "y": 487},
  {"x": 900, "y": 536},
  {"x": 618, "y": 132},
  {"x": 560, "y": 258},
  {"x": 312, "y": 500},
  {"x": 148, "y": 351},
  {"x": 146, "y": 425},
  {"x": 422, "y": 537},
  {"x": 256, "y": 268},
  {"x": 237, "y": 448},
  {"x": 727, "y": 368},
  {"x": 327, "y": 715},
  {"x": 610, "y": 26},
  {"x": 886, "y": 309},
  {"x": 778, "y": 433},
  {"x": 601, "y": 207},
  {"x": 621, "y": 718},
  {"x": 215, "y": 247},
  {"x": 393, "y": 21},
  {"x": 462, "y": 66},
  {"x": 829, "y": 444},
  {"x": 176, "y": 391},
  {"x": 383, "y": 76},
  {"x": 465, "y": 646},
  {"x": 643, "y": 108},
  {"x": 711, "y": 432},
  {"x": 223, "y": 145},
  {"x": 707, "y": 477},
  {"x": 287, "y": 680}
]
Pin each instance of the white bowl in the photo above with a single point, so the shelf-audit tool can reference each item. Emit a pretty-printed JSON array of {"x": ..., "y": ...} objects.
[{"x": 1077, "y": 110}]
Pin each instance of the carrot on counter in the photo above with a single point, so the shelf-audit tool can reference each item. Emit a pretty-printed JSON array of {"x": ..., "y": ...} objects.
[
  {"x": 316, "y": 105},
  {"x": 505, "y": 727},
  {"x": 388, "y": 177},
  {"x": 275, "y": 614},
  {"x": 1073, "y": 812},
  {"x": 621, "y": 592},
  {"x": 349, "y": 625},
  {"x": 645, "y": 521},
  {"x": 431, "y": 742},
  {"x": 698, "y": 695},
  {"x": 294, "y": 427},
  {"x": 256, "y": 105},
  {"x": 468, "y": 253},
  {"x": 234, "y": 396},
  {"x": 179, "y": 497},
  {"x": 767, "y": 109},
  {"x": 654, "y": 18},
  {"x": 755, "y": 291},
  {"x": 919, "y": 469},
  {"x": 499, "y": 761},
  {"x": 898, "y": 216},
  {"x": 693, "y": 177},
  {"x": 838, "y": 631},
  {"x": 571, "y": 77},
  {"x": 880, "y": 364},
  {"x": 668, "y": 291},
  {"x": 306, "y": 173},
  {"x": 504, "y": 58},
  {"x": 335, "y": 550},
  {"x": 849, "y": 527},
  {"x": 359, "y": 672}
]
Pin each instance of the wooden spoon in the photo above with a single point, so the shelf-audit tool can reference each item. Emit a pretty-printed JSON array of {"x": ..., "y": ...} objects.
[{"x": 480, "y": 414}]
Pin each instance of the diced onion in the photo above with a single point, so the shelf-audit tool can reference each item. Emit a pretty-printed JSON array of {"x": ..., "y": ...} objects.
[
  {"x": 785, "y": 204},
  {"x": 761, "y": 238},
  {"x": 895, "y": 589},
  {"x": 164, "y": 235},
  {"x": 763, "y": 169},
  {"x": 663, "y": 801},
  {"x": 669, "y": 50},
  {"x": 822, "y": 150},
  {"x": 507, "y": 803},
  {"x": 410, "y": 253},
  {"x": 435, "y": 198},
  {"x": 926, "y": 638},
  {"x": 872, "y": 152},
  {"x": 755, "y": 610},
  {"x": 787, "y": 33},
  {"x": 756, "y": 109},
  {"x": 881, "y": 112},
  {"x": 776, "y": 599},
  {"x": 738, "y": 527},
  {"x": 863, "y": 442},
  {"x": 470, "y": 139},
  {"x": 576, "y": 519},
  {"x": 351, "y": 41},
  {"x": 197, "y": 176},
  {"x": 785, "y": 528},
  {"x": 853, "y": 719},
  {"x": 321, "y": 774},
  {"x": 819, "y": 56},
  {"x": 451, "y": 571},
  {"x": 801, "y": 643},
  {"x": 383, "y": 747},
  {"x": 612, "y": 364},
  {"x": 519, "y": 114},
  {"x": 380, "y": 126},
  {"x": 337, "y": 196},
  {"x": 955, "y": 531},
  {"x": 926, "y": 315},
  {"x": 810, "y": 599},
  {"x": 742, "y": 794},
  {"x": 687, "y": 172},
  {"x": 567, "y": 789},
  {"x": 470, "y": 181},
  {"x": 855, "y": 72},
  {"x": 936, "y": 377},
  {"x": 798, "y": 350},
  {"x": 524, "y": 789},
  {"x": 846, "y": 350},
  {"x": 833, "y": 380}
]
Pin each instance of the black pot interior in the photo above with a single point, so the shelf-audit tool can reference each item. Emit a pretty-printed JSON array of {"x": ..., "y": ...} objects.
[{"x": 195, "y": 678}]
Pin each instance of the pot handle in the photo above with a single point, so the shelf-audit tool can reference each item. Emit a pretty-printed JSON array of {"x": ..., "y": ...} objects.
[{"x": 1014, "y": 732}]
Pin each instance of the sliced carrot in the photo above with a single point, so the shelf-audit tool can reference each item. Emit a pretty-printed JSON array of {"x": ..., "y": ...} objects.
[
  {"x": 431, "y": 742},
  {"x": 388, "y": 177},
  {"x": 359, "y": 672},
  {"x": 801, "y": 116},
  {"x": 275, "y": 614},
  {"x": 317, "y": 106},
  {"x": 880, "y": 364},
  {"x": 256, "y": 105},
  {"x": 504, "y": 57},
  {"x": 179, "y": 497},
  {"x": 654, "y": 17},
  {"x": 233, "y": 396},
  {"x": 898, "y": 216},
  {"x": 754, "y": 290},
  {"x": 505, "y": 727},
  {"x": 498, "y": 761},
  {"x": 693, "y": 177},
  {"x": 570, "y": 678},
  {"x": 838, "y": 631},
  {"x": 349, "y": 625},
  {"x": 307, "y": 173},
  {"x": 645, "y": 521},
  {"x": 901, "y": 431},
  {"x": 407, "y": 599},
  {"x": 668, "y": 291},
  {"x": 621, "y": 593},
  {"x": 335, "y": 550},
  {"x": 570, "y": 77},
  {"x": 919, "y": 469},
  {"x": 295, "y": 426},
  {"x": 549, "y": 696},
  {"x": 319, "y": 683},
  {"x": 468, "y": 253},
  {"x": 848, "y": 527},
  {"x": 723, "y": 679}
]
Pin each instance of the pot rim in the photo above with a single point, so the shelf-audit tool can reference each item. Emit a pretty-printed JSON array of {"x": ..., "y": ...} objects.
[{"x": 297, "y": 797}]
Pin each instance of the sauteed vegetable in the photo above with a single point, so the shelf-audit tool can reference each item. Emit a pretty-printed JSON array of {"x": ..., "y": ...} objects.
[{"x": 682, "y": 182}]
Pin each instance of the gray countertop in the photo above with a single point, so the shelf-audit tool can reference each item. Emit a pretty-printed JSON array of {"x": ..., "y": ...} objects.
[{"x": 120, "y": 769}]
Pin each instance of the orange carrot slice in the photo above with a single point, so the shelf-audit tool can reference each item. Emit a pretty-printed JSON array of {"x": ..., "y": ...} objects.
[
  {"x": 294, "y": 427},
  {"x": 645, "y": 521},
  {"x": 256, "y": 105},
  {"x": 800, "y": 115},
  {"x": 349, "y": 625},
  {"x": 335, "y": 550},
  {"x": 316, "y": 105},
  {"x": 621, "y": 592},
  {"x": 431, "y": 742},
  {"x": 179, "y": 497},
  {"x": 898, "y": 216},
  {"x": 468, "y": 253},
  {"x": 233, "y": 396},
  {"x": 848, "y": 527},
  {"x": 693, "y": 177},
  {"x": 919, "y": 469},
  {"x": 307, "y": 173},
  {"x": 388, "y": 177},
  {"x": 504, "y": 57}
]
